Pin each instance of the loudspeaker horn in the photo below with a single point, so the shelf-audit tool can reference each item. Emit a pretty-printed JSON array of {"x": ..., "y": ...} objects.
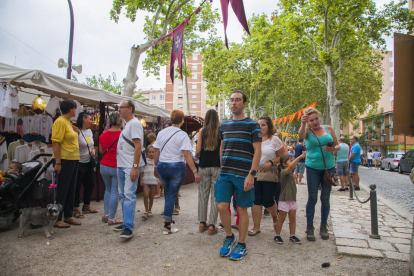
[
  {"x": 62, "y": 63},
  {"x": 77, "y": 68}
]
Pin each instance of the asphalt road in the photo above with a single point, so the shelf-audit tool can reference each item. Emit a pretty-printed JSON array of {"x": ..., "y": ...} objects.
[{"x": 392, "y": 186}]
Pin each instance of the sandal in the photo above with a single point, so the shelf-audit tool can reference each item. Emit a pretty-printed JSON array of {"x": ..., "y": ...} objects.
[
  {"x": 176, "y": 211},
  {"x": 212, "y": 231},
  {"x": 117, "y": 221},
  {"x": 150, "y": 215},
  {"x": 168, "y": 226},
  {"x": 88, "y": 209},
  {"x": 235, "y": 226},
  {"x": 161, "y": 194},
  {"x": 105, "y": 219},
  {"x": 61, "y": 224},
  {"x": 252, "y": 233},
  {"x": 72, "y": 221},
  {"x": 201, "y": 229},
  {"x": 78, "y": 214},
  {"x": 145, "y": 215}
]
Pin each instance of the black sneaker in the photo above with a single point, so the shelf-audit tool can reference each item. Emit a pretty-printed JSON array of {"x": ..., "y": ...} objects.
[
  {"x": 295, "y": 239},
  {"x": 266, "y": 212},
  {"x": 278, "y": 239},
  {"x": 346, "y": 189},
  {"x": 118, "y": 228},
  {"x": 357, "y": 188},
  {"x": 341, "y": 190},
  {"x": 126, "y": 234}
]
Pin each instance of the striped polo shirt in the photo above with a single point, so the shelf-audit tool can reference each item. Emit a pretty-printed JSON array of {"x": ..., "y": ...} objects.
[{"x": 238, "y": 151}]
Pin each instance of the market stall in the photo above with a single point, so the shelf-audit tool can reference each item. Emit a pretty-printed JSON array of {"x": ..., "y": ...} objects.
[{"x": 40, "y": 93}]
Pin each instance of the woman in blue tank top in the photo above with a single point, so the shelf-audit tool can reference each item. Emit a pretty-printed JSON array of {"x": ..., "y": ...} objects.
[{"x": 312, "y": 130}]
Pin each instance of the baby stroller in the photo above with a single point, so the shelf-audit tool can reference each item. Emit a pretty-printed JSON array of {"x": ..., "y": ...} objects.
[{"x": 24, "y": 190}]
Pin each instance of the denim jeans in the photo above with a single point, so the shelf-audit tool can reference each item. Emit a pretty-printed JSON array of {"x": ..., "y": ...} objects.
[
  {"x": 369, "y": 163},
  {"x": 111, "y": 197},
  {"x": 172, "y": 175},
  {"x": 127, "y": 191},
  {"x": 314, "y": 178}
]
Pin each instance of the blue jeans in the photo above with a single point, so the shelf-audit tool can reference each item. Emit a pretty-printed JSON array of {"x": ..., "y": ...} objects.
[
  {"x": 314, "y": 178},
  {"x": 127, "y": 191},
  {"x": 369, "y": 163},
  {"x": 111, "y": 197},
  {"x": 172, "y": 175}
]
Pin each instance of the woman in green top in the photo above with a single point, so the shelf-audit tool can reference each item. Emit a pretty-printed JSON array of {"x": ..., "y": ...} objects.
[{"x": 312, "y": 131}]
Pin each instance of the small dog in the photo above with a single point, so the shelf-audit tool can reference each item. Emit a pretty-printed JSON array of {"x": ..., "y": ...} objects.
[{"x": 39, "y": 216}]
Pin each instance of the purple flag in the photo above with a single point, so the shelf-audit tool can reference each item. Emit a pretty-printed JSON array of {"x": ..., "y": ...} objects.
[
  {"x": 238, "y": 9},
  {"x": 177, "y": 50}
]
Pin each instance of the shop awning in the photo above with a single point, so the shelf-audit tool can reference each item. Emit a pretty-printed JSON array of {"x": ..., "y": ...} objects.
[{"x": 57, "y": 86}]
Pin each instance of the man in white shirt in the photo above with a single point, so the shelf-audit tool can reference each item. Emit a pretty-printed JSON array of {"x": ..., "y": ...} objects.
[{"x": 129, "y": 163}]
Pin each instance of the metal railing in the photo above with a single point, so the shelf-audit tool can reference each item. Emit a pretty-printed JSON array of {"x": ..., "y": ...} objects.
[{"x": 373, "y": 204}]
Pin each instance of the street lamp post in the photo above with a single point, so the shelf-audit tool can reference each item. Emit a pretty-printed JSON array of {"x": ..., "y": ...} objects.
[
  {"x": 385, "y": 150},
  {"x": 69, "y": 72}
]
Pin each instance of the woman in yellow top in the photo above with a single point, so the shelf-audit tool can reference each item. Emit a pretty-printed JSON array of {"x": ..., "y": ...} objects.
[{"x": 66, "y": 159}]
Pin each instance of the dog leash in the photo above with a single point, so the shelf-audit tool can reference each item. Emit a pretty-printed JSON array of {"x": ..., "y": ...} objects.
[{"x": 55, "y": 182}]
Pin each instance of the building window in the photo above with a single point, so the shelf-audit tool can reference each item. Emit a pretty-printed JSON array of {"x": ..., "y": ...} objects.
[
  {"x": 194, "y": 67},
  {"x": 195, "y": 56},
  {"x": 382, "y": 135},
  {"x": 162, "y": 97},
  {"x": 391, "y": 69},
  {"x": 391, "y": 135},
  {"x": 162, "y": 106},
  {"x": 180, "y": 86},
  {"x": 391, "y": 59},
  {"x": 193, "y": 96},
  {"x": 153, "y": 97},
  {"x": 180, "y": 96},
  {"x": 391, "y": 117},
  {"x": 391, "y": 79},
  {"x": 193, "y": 106},
  {"x": 180, "y": 106},
  {"x": 194, "y": 86},
  {"x": 194, "y": 77},
  {"x": 392, "y": 88}
]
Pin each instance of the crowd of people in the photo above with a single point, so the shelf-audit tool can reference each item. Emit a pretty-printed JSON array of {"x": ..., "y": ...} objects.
[{"x": 240, "y": 160}]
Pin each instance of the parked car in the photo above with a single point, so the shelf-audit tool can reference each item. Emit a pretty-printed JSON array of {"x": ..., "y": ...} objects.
[
  {"x": 406, "y": 162},
  {"x": 363, "y": 160},
  {"x": 391, "y": 161}
]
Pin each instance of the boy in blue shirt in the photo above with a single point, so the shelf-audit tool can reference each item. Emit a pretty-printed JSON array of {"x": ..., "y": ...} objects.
[{"x": 354, "y": 161}]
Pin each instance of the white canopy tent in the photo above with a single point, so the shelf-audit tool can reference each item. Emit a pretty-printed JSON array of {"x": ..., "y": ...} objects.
[{"x": 36, "y": 82}]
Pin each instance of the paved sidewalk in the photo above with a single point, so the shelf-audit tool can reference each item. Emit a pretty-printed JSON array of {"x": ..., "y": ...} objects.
[
  {"x": 351, "y": 223},
  {"x": 94, "y": 248}
]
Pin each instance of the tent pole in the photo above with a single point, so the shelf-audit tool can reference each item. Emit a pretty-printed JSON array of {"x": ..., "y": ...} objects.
[{"x": 69, "y": 72}]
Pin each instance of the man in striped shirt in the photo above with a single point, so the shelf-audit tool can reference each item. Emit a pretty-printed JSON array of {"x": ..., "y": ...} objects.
[{"x": 240, "y": 154}]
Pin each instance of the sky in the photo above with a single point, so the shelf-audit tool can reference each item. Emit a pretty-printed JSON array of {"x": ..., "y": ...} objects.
[{"x": 35, "y": 34}]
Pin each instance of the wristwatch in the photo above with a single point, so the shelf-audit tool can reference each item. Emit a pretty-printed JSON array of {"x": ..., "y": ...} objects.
[
  {"x": 195, "y": 169},
  {"x": 253, "y": 172},
  {"x": 271, "y": 162},
  {"x": 135, "y": 165}
]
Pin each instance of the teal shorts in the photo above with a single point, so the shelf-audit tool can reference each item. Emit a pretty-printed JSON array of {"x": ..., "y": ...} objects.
[{"x": 227, "y": 185}]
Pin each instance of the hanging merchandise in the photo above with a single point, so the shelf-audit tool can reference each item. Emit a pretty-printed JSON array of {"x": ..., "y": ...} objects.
[
  {"x": 292, "y": 116},
  {"x": 12, "y": 148},
  {"x": 4, "y": 162},
  {"x": 34, "y": 136},
  {"x": 29, "y": 124},
  {"x": 177, "y": 45},
  {"x": 11, "y": 123},
  {"x": 44, "y": 125},
  {"x": 22, "y": 112},
  {"x": 238, "y": 9},
  {"x": 53, "y": 105},
  {"x": 4, "y": 111},
  {"x": 79, "y": 109},
  {"x": 21, "y": 153},
  {"x": 12, "y": 98},
  {"x": 38, "y": 103}
]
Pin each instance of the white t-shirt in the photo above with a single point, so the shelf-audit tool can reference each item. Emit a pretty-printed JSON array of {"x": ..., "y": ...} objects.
[
  {"x": 4, "y": 111},
  {"x": 43, "y": 125},
  {"x": 79, "y": 109},
  {"x": 4, "y": 161},
  {"x": 52, "y": 105},
  {"x": 370, "y": 155},
  {"x": 29, "y": 124},
  {"x": 11, "y": 99},
  {"x": 269, "y": 149},
  {"x": 21, "y": 153},
  {"x": 173, "y": 150},
  {"x": 125, "y": 152},
  {"x": 83, "y": 149},
  {"x": 11, "y": 123}
]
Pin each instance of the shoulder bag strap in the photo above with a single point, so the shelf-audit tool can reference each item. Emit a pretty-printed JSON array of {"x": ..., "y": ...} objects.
[
  {"x": 132, "y": 145},
  {"x": 109, "y": 147},
  {"x": 169, "y": 140},
  {"x": 320, "y": 146},
  {"x": 86, "y": 143}
]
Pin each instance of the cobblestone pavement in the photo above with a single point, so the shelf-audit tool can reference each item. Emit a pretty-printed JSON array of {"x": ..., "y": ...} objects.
[
  {"x": 351, "y": 223},
  {"x": 396, "y": 189}
]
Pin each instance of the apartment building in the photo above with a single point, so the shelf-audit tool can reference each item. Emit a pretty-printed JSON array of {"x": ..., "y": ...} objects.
[
  {"x": 176, "y": 96},
  {"x": 379, "y": 135},
  {"x": 155, "y": 97}
]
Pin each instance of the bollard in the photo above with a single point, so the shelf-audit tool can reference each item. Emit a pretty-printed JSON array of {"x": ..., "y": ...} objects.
[
  {"x": 374, "y": 212},
  {"x": 351, "y": 188}
]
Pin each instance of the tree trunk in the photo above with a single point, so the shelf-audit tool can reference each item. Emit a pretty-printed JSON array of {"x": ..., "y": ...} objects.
[
  {"x": 334, "y": 104},
  {"x": 132, "y": 78}
]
